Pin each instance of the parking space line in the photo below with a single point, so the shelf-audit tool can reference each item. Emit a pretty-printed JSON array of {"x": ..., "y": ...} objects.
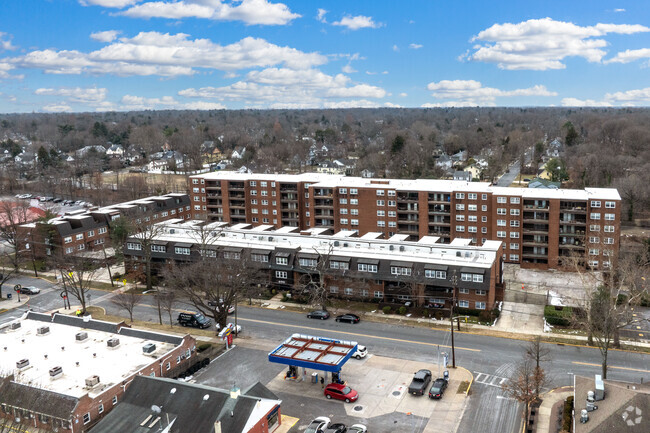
[{"x": 263, "y": 322}]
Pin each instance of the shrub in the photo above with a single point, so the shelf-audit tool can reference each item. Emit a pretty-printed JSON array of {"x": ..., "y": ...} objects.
[
  {"x": 496, "y": 313},
  {"x": 402, "y": 310},
  {"x": 425, "y": 313},
  {"x": 203, "y": 347},
  {"x": 567, "y": 423},
  {"x": 485, "y": 317},
  {"x": 558, "y": 316},
  {"x": 386, "y": 309}
]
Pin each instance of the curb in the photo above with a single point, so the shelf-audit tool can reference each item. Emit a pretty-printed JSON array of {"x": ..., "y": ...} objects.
[{"x": 469, "y": 387}]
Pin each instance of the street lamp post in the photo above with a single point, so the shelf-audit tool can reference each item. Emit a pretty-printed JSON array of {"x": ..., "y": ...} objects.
[{"x": 454, "y": 283}]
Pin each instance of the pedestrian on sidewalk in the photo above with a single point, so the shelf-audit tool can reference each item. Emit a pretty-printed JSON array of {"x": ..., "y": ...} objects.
[
  {"x": 78, "y": 312},
  {"x": 322, "y": 382}
]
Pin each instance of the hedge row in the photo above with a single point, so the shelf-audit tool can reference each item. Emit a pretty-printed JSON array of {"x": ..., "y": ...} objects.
[{"x": 558, "y": 316}]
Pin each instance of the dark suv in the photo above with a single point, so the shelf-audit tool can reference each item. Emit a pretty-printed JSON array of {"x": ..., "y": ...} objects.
[
  {"x": 420, "y": 381},
  {"x": 193, "y": 319}
]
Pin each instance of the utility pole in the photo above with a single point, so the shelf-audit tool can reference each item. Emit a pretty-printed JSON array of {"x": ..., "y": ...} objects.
[{"x": 454, "y": 283}]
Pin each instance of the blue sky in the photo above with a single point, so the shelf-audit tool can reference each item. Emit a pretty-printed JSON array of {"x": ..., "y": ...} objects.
[{"x": 101, "y": 55}]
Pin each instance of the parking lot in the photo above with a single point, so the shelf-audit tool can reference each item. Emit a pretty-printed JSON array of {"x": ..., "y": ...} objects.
[{"x": 384, "y": 404}]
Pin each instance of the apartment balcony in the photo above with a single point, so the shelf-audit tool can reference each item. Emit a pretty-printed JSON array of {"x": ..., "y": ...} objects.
[
  {"x": 530, "y": 255},
  {"x": 572, "y": 246},
  {"x": 406, "y": 220},
  {"x": 439, "y": 198},
  {"x": 408, "y": 229},
  {"x": 236, "y": 194},
  {"x": 573, "y": 207},
  {"x": 565, "y": 231},
  {"x": 535, "y": 219},
  {"x": 289, "y": 197},
  {"x": 573, "y": 222},
  {"x": 288, "y": 187},
  {"x": 213, "y": 188},
  {"x": 327, "y": 193},
  {"x": 407, "y": 197},
  {"x": 291, "y": 206},
  {"x": 439, "y": 209},
  {"x": 215, "y": 205},
  {"x": 324, "y": 213},
  {"x": 530, "y": 241},
  {"x": 404, "y": 207},
  {"x": 542, "y": 230},
  {"x": 324, "y": 222},
  {"x": 236, "y": 186},
  {"x": 214, "y": 194},
  {"x": 237, "y": 213},
  {"x": 323, "y": 203}
]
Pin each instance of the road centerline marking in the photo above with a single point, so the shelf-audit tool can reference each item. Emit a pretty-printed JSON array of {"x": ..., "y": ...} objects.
[{"x": 610, "y": 366}]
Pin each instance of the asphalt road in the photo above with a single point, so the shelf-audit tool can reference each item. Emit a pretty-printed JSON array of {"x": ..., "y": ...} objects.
[{"x": 490, "y": 359}]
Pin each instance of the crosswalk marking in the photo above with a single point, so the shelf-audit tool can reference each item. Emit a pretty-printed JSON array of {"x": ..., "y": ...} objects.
[{"x": 489, "y": 379}]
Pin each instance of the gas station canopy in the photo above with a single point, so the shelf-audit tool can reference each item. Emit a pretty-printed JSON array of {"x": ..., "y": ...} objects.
[{"x": 315, "y": 353}]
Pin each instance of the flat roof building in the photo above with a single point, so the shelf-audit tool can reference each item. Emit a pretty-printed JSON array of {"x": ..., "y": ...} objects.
[
  {"x": 540, "y": 228},
  {"x": 63, "y": 372}
]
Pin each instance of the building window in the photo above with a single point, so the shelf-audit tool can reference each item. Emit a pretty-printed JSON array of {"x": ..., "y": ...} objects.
[
  {"x": 471, "y": 229},
  {"x": 594, "y": 251},
  {"x": 460, "y": 195},
  {"x": 609, "y": 229},
  {"x": 364, "y": 293},
  {"x": 594, "y": 240},
  {"x": 354, "y": 191},
  {"x": 392, "y": 203},
  {"x": 380, "y": 192},
  {"x": 594, "y": 228},
  {"x": 354, "y": 211},
  {"x": 363, "y": 267},
  {"x": 501, "y": 223},
  {"x": 381, "y": 213},
  {"x": 282, "y": 261},
  {"x": 67, "y": 239},
  {"x": 501, "y": 234},
  {"x": 344, "y": 221},
  {"x": 253, "y": 192},
  {"x": 472, "y": 218},
  {"x": 514, "y": 223},
  {"x": 610, "y": 217},
  {"x": 133, "y": 246},
  {"x": 343, "y": 211},
  {"x": 101, "y": 230},
  {"x": 354, "y": 201},
  {"x": 483, "y": 229},
  {"x": 262, "y": 258},
  {"x": 514, "y": 257},
  {"x": 472, "y": 207},
  {"x": 483, "y": 196},
  {"x": 502, "y": 211},
  {"x": 343, "y": 201},
  {"x": 391, "y": 193},
  {"x": 308, "y": 263},
  {"x": 231, "y": 255},
  {"x": 381, "y": 203},
  {"x": 264, "y": 193},
  {"x": 514, "y": 235},
  {"x": 608, "y": 241},
  {"x": 282, "y": 275},
  {"x": 379, "y": 294},
  {"x": 158, "y": 248},
  {"x": 480, "y": 292},
  {"x": 263, "y": 184},
  {"x": 463, "y": 304},
  {"x": 594, "y": 216},
  {"x": 398, "y": 270},
  {"x": 349, "y": 291},
  {"x": 460, "y": 206},
  {"x": 253, "y": 183},
  {"x": 595, "y": 204},
  {"x": 514, "y": 246},
  {"x": 334, "y": 289},
  {"x": 100, "y": 409},
  {"x": 339, "y": 265},
  {"x": 439, "y": 275},
  {"x": 460, "y": 217},
  {"x": 480, "y": 305},
  {"x": 465, "y": 277},
  {"x": 514, "y": 211},
  {"x": 514, "y": 200},
  {"x": 477, "y": 278},
  {"x": 460, "y": 228},
  {"x": 354, "y": 222},
  {"x": 502, "y": 199},
  {"x": 86, "y": 417},
  {"x": 195, "y": 181},
  {"x": 182, "y": 251},
  {"x": 484, "y": 207},
  {"x": 381, "y": 223},
  {"x": 392, "y": 224},
  {"x": 610, "y": 204},
  {"x": 392, "y": 214},
  {"x": 593, "y": 263},
  {"x": 471, "y": 196}
]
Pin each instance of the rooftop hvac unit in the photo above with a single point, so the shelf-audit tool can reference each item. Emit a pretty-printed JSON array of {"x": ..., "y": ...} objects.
[
  {"x": 391, "y": 247},
  {"x": 81, "y": 336},
  {"x": 56, "y": 372},
  {"x": 600, "y": 388},
  {"x": 22, "y": 364},
  {"x": 336, "y": 243},
  {"x": 14, "y": 326},
  {"x": 345, "y": 244},
  {"x": 401, "y": 247},
  {"x": 43, "y": 330},
  {"x": 92, "y": 381},
  {"x": 172, "y": 231},
  {"x": 270, "y": 238},
  {"x": 149, "y": 348},
  {"x": 112, "y": 342}
]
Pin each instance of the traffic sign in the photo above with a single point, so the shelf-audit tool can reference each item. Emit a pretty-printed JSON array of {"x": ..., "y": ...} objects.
[{"x": 17, "y": 287}]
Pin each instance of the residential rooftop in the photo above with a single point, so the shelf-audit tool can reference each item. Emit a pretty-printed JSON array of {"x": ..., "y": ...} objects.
[{"x": 60, "y": 346}]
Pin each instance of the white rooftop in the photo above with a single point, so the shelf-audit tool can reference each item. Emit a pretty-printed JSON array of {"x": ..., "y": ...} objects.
[
  {"x": 112, "y": 365},
  {"x": 427, "y": 250}
]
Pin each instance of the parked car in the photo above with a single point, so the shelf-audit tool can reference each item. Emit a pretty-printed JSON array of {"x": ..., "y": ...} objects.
[
  {"x": 420, "y": 381},
  {"x": 336, "y": 428},
  {"x": 193, "y": 319},
  {"x": 29, "y": 290},
  {"x": 57, "y": 200},
  {"x": 211, "y": 303},
  {"x": 361, "y": 352},
  {"x": 438, "y": 388},
  {"x": 349, "y": 317},
  {"x": 357, "y": 428},
  {"x": 340, "y": 391},
  {"x": 318, "y": 425},
  {"x": 319, "y": 314}
]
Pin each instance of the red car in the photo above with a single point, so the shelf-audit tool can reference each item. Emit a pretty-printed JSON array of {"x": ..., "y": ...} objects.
[{"x": 341, "y": 392}]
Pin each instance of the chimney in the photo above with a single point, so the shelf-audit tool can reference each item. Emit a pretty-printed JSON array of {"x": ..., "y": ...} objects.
[
  {"x": 235, "y": 392},
  {"x": 217, "y": 426}
]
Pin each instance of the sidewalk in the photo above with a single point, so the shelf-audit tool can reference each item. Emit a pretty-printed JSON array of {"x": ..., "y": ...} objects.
[
  {"x": 456, "y": 404},
  {"x": 546, "y": 420}
]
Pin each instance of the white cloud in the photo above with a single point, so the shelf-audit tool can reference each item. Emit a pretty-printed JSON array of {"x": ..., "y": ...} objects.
[
  {"x": 357, "y": 22},
  {"x": 119, "y": 4},
  {"x": 163, "y": 54},
  {"x": 5, "y": 42},
  {"x": 282, "y": 87},
  {"x": 131, "y": 102},
  {"x": 415, "y": 46},
  {"x": 619, "y": 10},
  {"x": 395, "y": 48},
  {"x": 321, "y": 16},
  {"x": 541, "y": 44},
  {"x": 628, "y": 56},
  {"x": 57, "y": 108},
  {"x": 203, "y": 105},
  {"x": 84, "y": 95},
  {"x": 105, "y": 36},
  {"x": 574, "y": 102},
  {"x": 472, "y": 93},
  {"x": 403, "y": 95},
  {"x": 348, "y": 69},
  {"x": 251, "y": 12}
]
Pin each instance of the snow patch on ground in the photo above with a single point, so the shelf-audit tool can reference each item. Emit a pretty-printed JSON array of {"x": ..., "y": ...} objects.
[
  {"x": 555, "y": 299},
  {"x": 547, "y": 327}
]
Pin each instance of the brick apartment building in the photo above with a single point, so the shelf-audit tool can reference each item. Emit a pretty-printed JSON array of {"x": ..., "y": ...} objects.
[
  {"x": 86, "y": 231},
  {"x": 539, "y": 227},
  {"x": 426, "y": 272},
  {"x": 63, "y": 373}
]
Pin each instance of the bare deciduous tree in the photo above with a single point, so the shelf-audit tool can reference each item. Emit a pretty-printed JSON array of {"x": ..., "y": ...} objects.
[
  {"x": 537, "y": 352},
  {"x": 127, "y": 301},
  {"x": 522, "y": 383},
  {"x": 77, "y": 275}
]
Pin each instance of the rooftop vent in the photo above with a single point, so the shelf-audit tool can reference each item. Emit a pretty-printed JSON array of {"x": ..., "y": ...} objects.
[
  {"x": 43, "y": 330},
  {"x": 81, "y": 336},
  {"x": 112, "y": 342},
  {"x": 22, "y": 364},
  {"x": 92, "y": 381},
  {"x": 149, "y": 348},
  {"x": 56, "y": 372},
  {"x": 14, "y": 326}
]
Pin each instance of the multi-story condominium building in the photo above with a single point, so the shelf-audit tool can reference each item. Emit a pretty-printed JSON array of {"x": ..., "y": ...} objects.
[
  {"x": 85, "y": 231},
  {"x": 426, "y": 272},
  {"x": 63, "y": 374},
  {"x": 540, "y": 228}
]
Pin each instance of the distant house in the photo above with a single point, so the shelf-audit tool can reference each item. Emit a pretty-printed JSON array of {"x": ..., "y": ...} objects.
[
  {"x": 115, "y": 151},
  {"x": 444, "y": 162},
  {"x": 238, "y": 153},
  {"x": 165, "y": 147},
  {"x": 87, "y": 149},
  {"x": 544, "y": 183},
  {"x": 554, "y": 149},
  {"x": 463, "y": 175},
  {"x": 330, "y": 167},
  {"x": 25, "y": 157},
  {"x": 163, "y": 161},
  {"x": 459, "y": 157},
  {"x": 367, "y": 173},
  {"x": 474, "y": 171},
  {"x": 223, "y": 164}
]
